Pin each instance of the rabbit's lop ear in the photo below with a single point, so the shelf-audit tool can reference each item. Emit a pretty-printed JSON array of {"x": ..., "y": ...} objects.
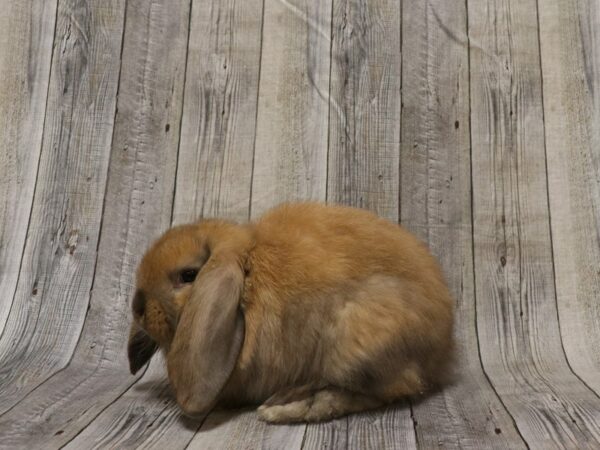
[
  {"x": 208, "y": 338},
  {"x": 140, "y": 348}
]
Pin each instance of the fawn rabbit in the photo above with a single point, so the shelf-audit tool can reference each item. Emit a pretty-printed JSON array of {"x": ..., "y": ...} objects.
[{"x": 314, "y": 311}]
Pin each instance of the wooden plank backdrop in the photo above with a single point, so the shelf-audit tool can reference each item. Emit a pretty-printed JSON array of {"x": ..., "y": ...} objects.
[{"x": 474, "y": 123}]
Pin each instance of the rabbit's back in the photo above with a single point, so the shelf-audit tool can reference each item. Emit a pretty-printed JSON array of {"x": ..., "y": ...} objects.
[
  {"x": 311, "y": 246},
  {"x": 338, "y": 295}
]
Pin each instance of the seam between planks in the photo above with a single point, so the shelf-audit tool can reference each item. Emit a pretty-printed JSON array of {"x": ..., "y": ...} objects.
[
  {"x": 185, "y": 64},
  {"x": 514, "y": 422},
  {"x": 414, "y": 423},
  {"x": 537, "y": 11},
  {"x": 399, "y": 219},
  {"x": 328, "y": 112},
  {"x": 327, "y": 153},
  {"x": 262, "y": 27},
  {"x": 401, "y": 43}
]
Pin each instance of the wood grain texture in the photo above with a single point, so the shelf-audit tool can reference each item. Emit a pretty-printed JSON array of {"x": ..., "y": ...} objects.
[
  {"x": 221, "y": 108},
  {"x": 516, "y": 306},
  {"x": 364, "y": 105},
  {"x": 219, "y": 121},
  {"x": 363, "y": 162},
  {"x": 137, "y": 207},
  {"x": 352, "y": 101},
  {"x": 240, "y": 429},
  {"x": 436, "y": 206},
  {"x": 295, "y": 47},
  {"x": 388, "y": 429},
  {"x": 290, "y": 161},
  {"x": 146, "y": 415},
  {"x": 326, "y": 436},
  {"x": 23, "y": 92},
  {"x": 58, "y": 263},
  {"x": 570, "y": 46}
]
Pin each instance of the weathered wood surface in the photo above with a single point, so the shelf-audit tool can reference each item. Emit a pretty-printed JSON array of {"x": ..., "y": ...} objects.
[
  {"x": 299, "y": 149},
  {"x": 58, "y": 265},
  {"x": 137, "y": 208},
  {"x": 364, "y": 114},
  {"x": 476, "y": 124},
  {"x": 290, "y": 159},
  {"x": 145, "y": 415},
  {"x": 517, "y": 323},
  {"x": 23, "y": 92},
  {"x": 570, "y": 33},
  {"x": 219, "y": 121},
  {"x": 436, "y": 205},
  {"x": 364, "y": 106}
]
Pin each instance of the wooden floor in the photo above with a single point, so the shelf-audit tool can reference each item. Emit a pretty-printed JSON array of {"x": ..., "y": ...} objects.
[{"x": 474, "y": 123}]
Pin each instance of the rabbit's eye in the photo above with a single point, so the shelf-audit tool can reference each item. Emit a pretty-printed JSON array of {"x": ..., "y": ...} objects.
[{"x": 188, "y": 275}]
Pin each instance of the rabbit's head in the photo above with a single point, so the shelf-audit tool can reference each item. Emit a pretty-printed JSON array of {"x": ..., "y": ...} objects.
[{"x": 187, "y": 302}]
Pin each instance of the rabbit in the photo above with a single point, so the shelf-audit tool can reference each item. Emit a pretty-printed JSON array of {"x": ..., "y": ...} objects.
[{"x": 313, "y": 311}]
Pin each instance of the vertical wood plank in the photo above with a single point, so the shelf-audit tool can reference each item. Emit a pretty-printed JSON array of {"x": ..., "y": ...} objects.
[
  {"x": 570, "y": 46},
  {"x": 291, "y": 130},
  {"x": 23, "y": 94},
  {"x": 364, "y": 107},
  {"x": 436, "y": 205},
  {"x": 221, "y": 108},
  {"x": 364, "y": 144},
  {"x": 219, "y": 120},
  {"x": 137, "y": 207},
  {"x": 58, "y": 263},
  {"x": 516, "y": 308},
  {"x": 289, "y": 163}
]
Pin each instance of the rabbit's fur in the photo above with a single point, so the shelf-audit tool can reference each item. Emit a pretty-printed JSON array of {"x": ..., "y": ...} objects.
[{"x": 315, "y": 311}]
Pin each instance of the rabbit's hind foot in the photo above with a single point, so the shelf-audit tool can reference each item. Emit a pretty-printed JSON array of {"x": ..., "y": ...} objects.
[{"x": 305, "y": 405}]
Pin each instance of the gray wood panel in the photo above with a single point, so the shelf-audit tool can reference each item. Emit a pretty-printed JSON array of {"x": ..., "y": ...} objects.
[
  {"x": 363, "y": 167},
  {"x": 241, "y": 429},
  {"x": 570, "y": 47},
  {"x": 364, "y": 106},
  {"x": 436, "y": 205},
  {"x": 221, "y": 109},
  {"x": 146, "y": 415},
  {"x": 293, "y": 107},
  {"x": 288, "y": 163},
  {"x": 58, "y": 264},
  {"x": 23, "y": 93},
  {"x": 219, "y": 121},
  {"x": 516, "y": 307},
  {"x": 137, "y": 207},
  {"x": 388, "y": 429},
  {"x": 477, "y": 124}
]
